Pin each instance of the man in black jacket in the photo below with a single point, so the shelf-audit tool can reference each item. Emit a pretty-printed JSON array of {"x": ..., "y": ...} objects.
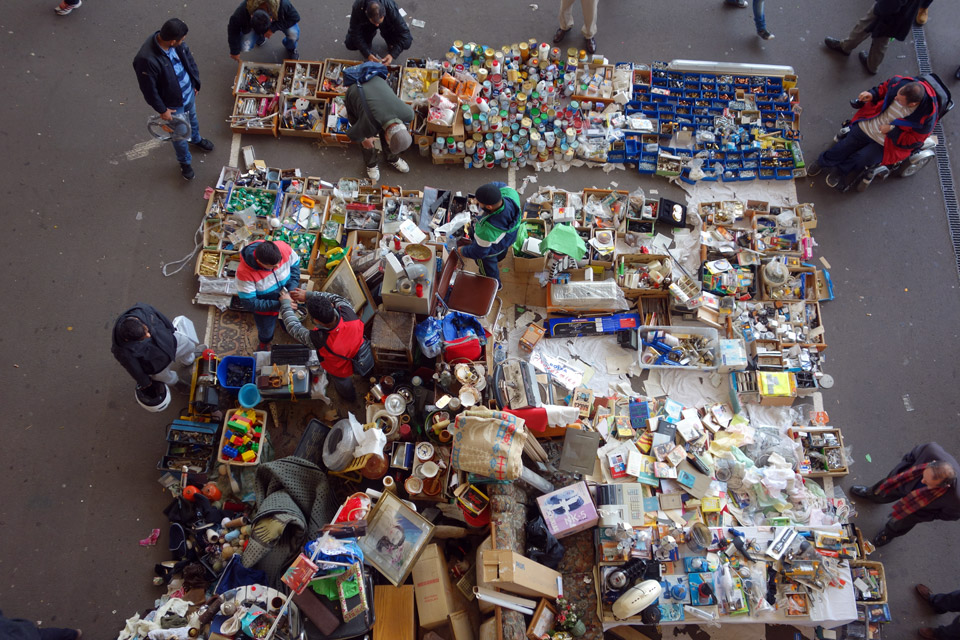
[
  {"x": 256, "y": 20},
  {"x": 367, "y": 17},
  {"x": 886, "y": 19},
  {"x": 146, "y": 343},
  {"x": 169, "y": 81},
  {"x": 923, "y": 488}
]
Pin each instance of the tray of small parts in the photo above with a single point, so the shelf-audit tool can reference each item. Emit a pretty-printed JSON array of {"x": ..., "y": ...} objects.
[
  {"x": 681, "y": 348},
  {"x": 823, "y": 452},
  {"x": 191, "y": 444}
]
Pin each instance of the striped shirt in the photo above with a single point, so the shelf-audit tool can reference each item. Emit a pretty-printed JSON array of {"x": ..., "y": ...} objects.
[{"x": 186, "y": 87}]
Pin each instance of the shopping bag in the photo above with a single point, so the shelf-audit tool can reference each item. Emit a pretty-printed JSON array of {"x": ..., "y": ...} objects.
[
  {"x": 489, "y": 443},
  {"x": 187, "y": 341}
]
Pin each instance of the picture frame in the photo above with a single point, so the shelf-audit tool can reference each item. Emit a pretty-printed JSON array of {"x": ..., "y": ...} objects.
[
  {"x": 343, "y": 282},
  {"x": 396, "y": 535},
  {"x": 542, "y": 622},
  {"x": 353, "y": 572}
]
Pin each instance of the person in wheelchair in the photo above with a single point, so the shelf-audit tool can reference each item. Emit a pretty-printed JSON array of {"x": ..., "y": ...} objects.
[{"x": 892, "y": 120}]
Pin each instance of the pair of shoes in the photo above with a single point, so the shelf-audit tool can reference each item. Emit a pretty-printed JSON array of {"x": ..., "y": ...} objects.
[
  {"x": 833, "y": 181},
  {"x": 882, "y": 538},
  {"x": 374, "y": 174},
  {"x": 922, "y": 16},
  {"x": 766, "y": 35},
  {"x": 927, "y": 632},
  {"x": 835, "y": 45},
  {"x": 924, "y": 592},
  {"x": 740, "y": 4},
  {"x": 858, "y": 490},
  {"x": 560, "y": 35},
  {"x": 862, "y": 57},
  {"x": 186, "y": 171},
  {"x": 261, "y": 39},
  {"x": 263, "y": 346},
  {"x": 293, "y": 55},
  {"x": 813, "y": 170},
  {"x": 64, "y": 9},
  {"x": 591, "y": 45},
  {"x": 203, "y": 143},
  {"x": 401, "y": 165}
]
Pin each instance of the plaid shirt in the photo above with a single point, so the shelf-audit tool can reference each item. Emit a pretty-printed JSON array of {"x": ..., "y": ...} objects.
[{"x": 916, "y": 499}]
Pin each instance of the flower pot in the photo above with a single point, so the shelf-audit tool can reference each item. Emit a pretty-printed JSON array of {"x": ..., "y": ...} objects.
[{"x": 578, "y": 629}]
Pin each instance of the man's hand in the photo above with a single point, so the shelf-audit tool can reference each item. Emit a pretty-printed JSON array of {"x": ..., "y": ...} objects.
[
  {"x": 886, "y": 128},
  {"x": 235, "y": 56},
  {"x": 865, "y": 96},
  {"x": 167, "y": 115},
  {"x": 267, "y": 34},
  {"x": 373, "y": 58},
  {"x": 387, "y": 59},
  {"x": 299, "y": 295},
  {"x": 367, "y": 143},
  {"x": 285, "y": 296}
]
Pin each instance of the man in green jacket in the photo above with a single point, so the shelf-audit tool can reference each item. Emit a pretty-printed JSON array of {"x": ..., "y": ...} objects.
[
  {"x": 499, "y": 227},
  {"x": 374, "y": 110}
]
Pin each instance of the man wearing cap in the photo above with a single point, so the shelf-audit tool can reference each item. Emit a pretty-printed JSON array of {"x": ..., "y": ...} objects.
[
  {"x": 256, "y": 20},
  {"x": 373, "y": 110},
  {"x": 500, "y": 226}
]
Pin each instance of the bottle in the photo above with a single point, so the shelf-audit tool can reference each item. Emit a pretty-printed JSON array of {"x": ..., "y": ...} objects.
[{"x": 499, "y": 353}]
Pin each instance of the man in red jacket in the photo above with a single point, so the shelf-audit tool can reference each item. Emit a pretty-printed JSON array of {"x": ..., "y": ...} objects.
[
  {"x": 896, "y": 117},
  {"x": 337, "y": 336}
]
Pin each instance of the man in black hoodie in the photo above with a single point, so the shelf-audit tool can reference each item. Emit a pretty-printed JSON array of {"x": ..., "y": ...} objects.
[
  {"x": 370, "y": 16},
  {"x": 145, "y": 343}
]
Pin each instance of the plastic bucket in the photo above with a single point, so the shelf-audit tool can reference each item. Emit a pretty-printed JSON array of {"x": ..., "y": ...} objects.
[{"x": 249, "y": 396}]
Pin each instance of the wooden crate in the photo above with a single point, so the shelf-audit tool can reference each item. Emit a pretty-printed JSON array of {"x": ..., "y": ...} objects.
[
  {"x": 391, "y": 339},
  {"x": 287, "y": 104},
  {"x": 266, "y": 126}
]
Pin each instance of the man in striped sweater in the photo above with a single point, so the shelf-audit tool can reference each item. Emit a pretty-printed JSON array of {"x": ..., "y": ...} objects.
[{"x": 266, "y": 269}]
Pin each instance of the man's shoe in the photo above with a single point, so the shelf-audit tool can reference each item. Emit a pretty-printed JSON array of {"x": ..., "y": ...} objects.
[
  {"x": 858, "y": 490},
  {"x": 591, "y": 45},
  {"x": 261, "y": 39},
  {"x": 293, "y": 55},
  {"x": 927, "y": 632},
  {"x": 922, "y": 16},
  {"x": 263, "y": 346},
  {"x": 956, "y": 74},
  {"x": 766, "y": 35},
  {"x": 64, "y": 9},
  {"x": 835, "y": 45},
  {"x": 374, "y": 174},
  {"x": 560, "y": 35},
  {"x": 203, "y": 143},
  {"x": 862, "y": 56},
  {"x": 882, "y": 538},
  {"x": 813, "y": 170},
  {"x": 924, "y": 592},
  {"x": 741, "y": 4},
  {"x": 401, "y": 165},
  {"x": 186, "y": 171},
  {"x": 833, "y": 181}
]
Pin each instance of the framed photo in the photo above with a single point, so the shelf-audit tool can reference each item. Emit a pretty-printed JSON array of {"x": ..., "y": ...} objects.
[
  {"x": 353, "y": 573},
  {"x": 344, "y": 283},
  {"x": 543, "y": 620},
  {"x": 396, "y": 534}
]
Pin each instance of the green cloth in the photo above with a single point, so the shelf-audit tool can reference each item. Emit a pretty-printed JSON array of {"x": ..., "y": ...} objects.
[
  {"x": 564, "y": 239},
  {"x": 327, "y": 587}
]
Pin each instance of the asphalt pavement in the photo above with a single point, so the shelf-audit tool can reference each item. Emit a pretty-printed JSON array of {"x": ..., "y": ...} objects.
[{"x": 94, "y": 209}]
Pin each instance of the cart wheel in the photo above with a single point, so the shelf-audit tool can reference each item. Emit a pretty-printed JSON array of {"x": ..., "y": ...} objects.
[
  {"x": 910, "y": 168},
  {"x": 862, "y": 185}
]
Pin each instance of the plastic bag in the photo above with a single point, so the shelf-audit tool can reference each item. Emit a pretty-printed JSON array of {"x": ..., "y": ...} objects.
[
  {"x": 543, "y": 546},
  {"x": 429, "y": 337}
]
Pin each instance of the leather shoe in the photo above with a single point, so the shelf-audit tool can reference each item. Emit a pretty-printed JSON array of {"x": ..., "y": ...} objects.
[
  {"x": 882, "y": 539},
  {"x": 560, "y": 35},
  {"x": 814, "y": 169},
  {"x": 924, "y": 592},
  {"x": 591, "y": 46},
  {"x": 862, "y": 57},
  {"x": 186, "y": 171},
  {"x": 835, "y": 45},
  {"x": 927, "y": 632},
  {"x": 203, "y": 143},
  {"x": 861, "y": 491}
]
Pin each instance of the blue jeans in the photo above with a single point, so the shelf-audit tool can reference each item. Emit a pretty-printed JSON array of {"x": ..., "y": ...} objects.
[
  {"x": 266, "y": 326},
  {"x": 180, "y": 146},
  {"x": 292, "y": 37},
  {"x": 758, "y": 20},
  {"x": 854, "y": 152}
]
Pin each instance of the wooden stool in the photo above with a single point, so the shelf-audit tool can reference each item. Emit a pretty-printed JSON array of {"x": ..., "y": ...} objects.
[{"x": 392, "y": 340}]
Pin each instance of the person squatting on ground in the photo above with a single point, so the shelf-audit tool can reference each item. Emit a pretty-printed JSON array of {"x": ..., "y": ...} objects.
[
  {"x": 337, "y": 336},
  {"x": 923, "y": 488},
  {"x": 886, "y": 19},
  {"x": 266, "y": 268},
  {"x": 374, "y": 110},
  {"x": 19, "y": 629},
  {"x": 147, "y": 345},
  {"x": 896, "y": 118},
  {"x": 255, "y": 21},
  {"x": 169, "y": 81},
  {"x": 370, "y": 16},
  {"x": 499, "y": 227}
]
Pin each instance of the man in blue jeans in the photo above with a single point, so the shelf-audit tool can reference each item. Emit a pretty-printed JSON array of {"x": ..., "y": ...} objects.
[
  {"x": 758, "y": 20},
  {"x": 169, "y": 81},
  {"x": 256, "y": 20}
]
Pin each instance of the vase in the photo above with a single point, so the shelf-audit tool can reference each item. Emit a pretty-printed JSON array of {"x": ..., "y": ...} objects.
[{"x": 578, "y": 629}]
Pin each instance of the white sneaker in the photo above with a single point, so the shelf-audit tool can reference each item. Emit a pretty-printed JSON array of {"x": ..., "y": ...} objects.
[
  {"x": 374, "y": 174},
  {"x": 401, "y": 165},
  {"x": 64, "y": 8}
]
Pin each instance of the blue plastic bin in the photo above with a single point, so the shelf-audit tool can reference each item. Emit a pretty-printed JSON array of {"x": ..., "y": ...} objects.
[{"x": 226, "y": 361}]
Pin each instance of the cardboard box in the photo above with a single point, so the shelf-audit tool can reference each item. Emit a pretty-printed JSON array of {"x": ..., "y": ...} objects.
[
  {"x": 510, "y": 571},
  {"x": 461, "y": 627},
  {"x": 486, "y": 545},
  {"x": 488, "y": 630},
  {"x": 435, "y": 597},
  {"x": 776, "y": 388},
  {"x": 568, "y": 510},
  {"x": 454, "y": 130}
]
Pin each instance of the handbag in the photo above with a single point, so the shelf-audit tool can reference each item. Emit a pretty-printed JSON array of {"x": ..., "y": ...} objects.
[{"x": 362, "y": 362}]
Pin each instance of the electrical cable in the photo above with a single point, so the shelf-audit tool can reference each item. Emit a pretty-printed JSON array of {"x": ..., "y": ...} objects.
[{"x": 198, "y": 240}]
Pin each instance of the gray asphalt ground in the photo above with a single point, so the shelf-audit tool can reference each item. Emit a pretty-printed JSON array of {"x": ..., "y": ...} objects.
[{"x": 90, "y": 215}]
